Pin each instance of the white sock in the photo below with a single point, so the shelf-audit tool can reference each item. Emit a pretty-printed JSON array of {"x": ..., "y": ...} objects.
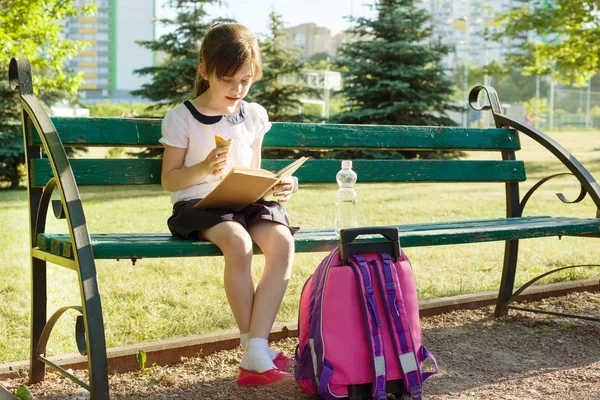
[
  {"x": 244, "y": 340},
  {"x": 256, "y": 358}
]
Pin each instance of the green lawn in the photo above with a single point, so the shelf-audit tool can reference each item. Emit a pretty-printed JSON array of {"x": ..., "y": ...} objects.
[{"x": 165, "y": 298}]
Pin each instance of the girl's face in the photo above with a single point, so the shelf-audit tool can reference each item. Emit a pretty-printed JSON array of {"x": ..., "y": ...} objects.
[{"x": 227, "y": 92}]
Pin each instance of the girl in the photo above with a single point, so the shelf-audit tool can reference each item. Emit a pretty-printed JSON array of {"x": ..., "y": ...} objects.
[{"x": 229, "y": 63}]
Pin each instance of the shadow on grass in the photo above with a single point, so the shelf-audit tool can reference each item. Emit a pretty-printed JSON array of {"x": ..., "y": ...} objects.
[{"x": 538, "y": 169}]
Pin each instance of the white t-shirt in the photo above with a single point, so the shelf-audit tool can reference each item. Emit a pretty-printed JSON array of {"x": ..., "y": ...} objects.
[{"x": 195, "y": 133}]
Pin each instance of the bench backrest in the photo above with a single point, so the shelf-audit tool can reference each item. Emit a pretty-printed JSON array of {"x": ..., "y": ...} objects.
[{"x": 143, "y": 133}]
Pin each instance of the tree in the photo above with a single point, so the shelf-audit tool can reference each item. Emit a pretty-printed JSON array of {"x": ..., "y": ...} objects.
[
  {"x": 31, "y": 29},
  {"x": 282, "y": 85},
  {"x": 395, "y": 76},
  {"x": 510, "y": 83},
  {"x": 569, "y": 46},
  {"x": 173, "y": 79}
]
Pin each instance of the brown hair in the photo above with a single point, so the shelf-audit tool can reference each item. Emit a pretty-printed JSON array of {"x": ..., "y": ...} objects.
[{"x": 224, "y": 50}]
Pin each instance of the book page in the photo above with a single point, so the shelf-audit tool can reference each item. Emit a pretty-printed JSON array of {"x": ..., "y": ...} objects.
[
  {"x": 237, "y": 191},
  {"x": 252, "y": 171},
  {"x": 245, "y": 185},
  {"x": 291, "y": 168}
]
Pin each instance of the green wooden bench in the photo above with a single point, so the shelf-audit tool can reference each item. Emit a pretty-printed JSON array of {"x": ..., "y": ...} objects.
[{"x": 49, "y": 168}]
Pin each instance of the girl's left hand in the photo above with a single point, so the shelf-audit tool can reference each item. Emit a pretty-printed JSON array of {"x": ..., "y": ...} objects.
[{"x": 283, "y": 189}]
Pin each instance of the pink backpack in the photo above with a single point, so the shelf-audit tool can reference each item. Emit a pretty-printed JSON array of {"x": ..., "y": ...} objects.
[{"x": 358, "y": 324}]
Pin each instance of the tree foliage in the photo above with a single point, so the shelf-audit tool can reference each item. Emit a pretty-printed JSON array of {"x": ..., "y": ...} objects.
[
  {"x": 31, "y": 29},
  {"x": 512, "y": 84},
  {"x": 173, "y": 78},
  {"x": 282, "y": 85},
  {"x": 395, "y": 75},
  {"x": 568, "y": 48}
]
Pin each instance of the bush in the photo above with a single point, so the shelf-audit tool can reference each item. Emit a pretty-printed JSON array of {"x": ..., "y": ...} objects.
[
  {"x": 11, "y": 156},
  {"x": 106, "y": 109}
]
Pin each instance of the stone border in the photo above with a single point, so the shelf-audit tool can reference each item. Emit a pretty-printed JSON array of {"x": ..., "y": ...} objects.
[
  {"x": 163, "y": 352},
  {"x": 6, "y": 395}
]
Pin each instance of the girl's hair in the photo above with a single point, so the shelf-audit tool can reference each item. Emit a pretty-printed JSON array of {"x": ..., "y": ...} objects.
[{"x": 225, "y": 49}]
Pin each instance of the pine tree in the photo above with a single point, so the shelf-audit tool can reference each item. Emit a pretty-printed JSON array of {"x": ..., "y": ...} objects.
[
  {"x": 395, "y": 75},
  {"x": 281, "y": 86},
  {"x": 173, "y": 79}
]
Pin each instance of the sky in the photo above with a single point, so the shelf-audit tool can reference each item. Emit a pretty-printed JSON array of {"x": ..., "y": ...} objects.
[{"x": 254, "y": 14}]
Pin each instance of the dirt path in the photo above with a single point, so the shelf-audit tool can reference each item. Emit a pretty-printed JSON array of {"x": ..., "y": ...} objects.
[{"x": 523, "y": 356}]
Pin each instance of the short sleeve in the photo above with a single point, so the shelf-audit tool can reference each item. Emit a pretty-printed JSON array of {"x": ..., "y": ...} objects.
[
  {"x": 174, "y": 130},
  {"x": 261, "y": 119}
]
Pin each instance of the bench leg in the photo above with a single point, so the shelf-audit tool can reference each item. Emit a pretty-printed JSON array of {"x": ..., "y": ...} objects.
[
  {"x": 94, "y": 331},
  {"x": 511, "y": 253},
  {"x": 37, "y": 369}
]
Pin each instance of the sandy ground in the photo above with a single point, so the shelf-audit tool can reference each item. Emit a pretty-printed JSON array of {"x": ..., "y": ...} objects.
[{"x": 522, "y": 356}]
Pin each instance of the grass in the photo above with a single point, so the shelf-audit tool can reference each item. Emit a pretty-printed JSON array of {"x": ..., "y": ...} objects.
[{"x": 166, "y": 298}]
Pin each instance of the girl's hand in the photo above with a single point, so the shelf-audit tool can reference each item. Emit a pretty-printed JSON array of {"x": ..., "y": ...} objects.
[
  {"x": 283, "y": 189},
  {"x": 216, "y": 160}
]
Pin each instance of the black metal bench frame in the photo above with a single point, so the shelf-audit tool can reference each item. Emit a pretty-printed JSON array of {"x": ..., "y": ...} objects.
[{"x": 89, "y": 324}]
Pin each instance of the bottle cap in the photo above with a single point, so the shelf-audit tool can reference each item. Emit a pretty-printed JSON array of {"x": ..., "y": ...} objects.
[{"x": 346, "y": 163}]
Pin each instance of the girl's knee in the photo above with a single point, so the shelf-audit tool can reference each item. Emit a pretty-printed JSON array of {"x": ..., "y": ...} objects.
[
  {"x": 237, "y": 244},
  {"x": 280, "y": 243}
]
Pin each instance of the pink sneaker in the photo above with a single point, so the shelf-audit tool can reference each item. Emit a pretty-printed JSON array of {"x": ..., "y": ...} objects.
[
  {"x": 283, "y": 362},
  {"x": 270, "y": 377}
]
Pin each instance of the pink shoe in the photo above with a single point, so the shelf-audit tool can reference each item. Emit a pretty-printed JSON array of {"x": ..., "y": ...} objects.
[
  {"x": 283, "y": 362},
  {"x": 270, "y": 377}
]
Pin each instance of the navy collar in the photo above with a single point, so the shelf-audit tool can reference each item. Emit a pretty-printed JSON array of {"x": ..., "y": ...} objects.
[{"x": 213, "y": 119}]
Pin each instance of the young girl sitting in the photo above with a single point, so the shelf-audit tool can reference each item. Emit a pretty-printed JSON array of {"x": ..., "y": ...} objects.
[{"x": 229, "y": 63}]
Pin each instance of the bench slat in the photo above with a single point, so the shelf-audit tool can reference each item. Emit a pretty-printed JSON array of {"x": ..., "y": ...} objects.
[
  {"x": 143, "y": 245},
  {"x": 147, "y": 171},
  {"x": 139, "y": 132}
]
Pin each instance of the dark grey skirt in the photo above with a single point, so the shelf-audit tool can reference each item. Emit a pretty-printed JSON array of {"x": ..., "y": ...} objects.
[{"x": 187, "y": 222}]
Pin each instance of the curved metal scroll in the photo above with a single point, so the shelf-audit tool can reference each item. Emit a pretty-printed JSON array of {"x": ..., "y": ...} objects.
[
  {"x": 40, "y": 221},
  {"x": 560, "y": 196},
  {"x": 57, "y": 207},
  {"x": 494, "y": 101},
  {"x": 41, "y": 347},
  {"x": 537, "y": 278},
  {"x": 586, "y": 180},
  {"x": 19, "y": 76},
  {"x": 80, "y": 335}
]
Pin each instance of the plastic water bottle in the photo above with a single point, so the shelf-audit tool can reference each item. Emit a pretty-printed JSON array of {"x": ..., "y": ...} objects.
[{"x": 346, "y": 211}]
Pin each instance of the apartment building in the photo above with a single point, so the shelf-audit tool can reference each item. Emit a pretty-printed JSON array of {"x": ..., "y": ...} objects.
[
  {"x": 111, "y": 54},
  {"x": 462, "y": 25},
  {"x": 312, "y": 39}
]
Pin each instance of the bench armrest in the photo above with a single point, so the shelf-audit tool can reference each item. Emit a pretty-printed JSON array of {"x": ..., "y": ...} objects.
[
  {"x": 587, "y": 181},
  {"x": 33, "y": 114}
]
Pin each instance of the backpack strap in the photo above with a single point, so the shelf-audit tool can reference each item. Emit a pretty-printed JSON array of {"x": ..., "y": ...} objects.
[
  {"x": 424, "y": 355},
  {"x": 400, "y": 326},
  {"x": 322, "y": 370},
  {"x": 372, "y": 323}
]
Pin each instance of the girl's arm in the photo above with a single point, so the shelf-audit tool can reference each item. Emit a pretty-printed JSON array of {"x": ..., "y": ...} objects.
[
  {"x": 284, "y": 188},
  {"x": 256, "y": 153},
  {"x": 174, "y": 176}
]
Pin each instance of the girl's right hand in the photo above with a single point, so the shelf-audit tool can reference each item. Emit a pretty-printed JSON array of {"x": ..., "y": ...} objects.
[{"x": 216, "y": 160}]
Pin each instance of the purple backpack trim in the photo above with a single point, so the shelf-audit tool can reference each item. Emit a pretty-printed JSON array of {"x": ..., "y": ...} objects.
[{"x": 314, "y": 372}]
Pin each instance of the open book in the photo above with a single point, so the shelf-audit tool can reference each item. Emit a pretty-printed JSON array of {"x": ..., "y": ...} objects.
[{"x": 245, "y": 185}]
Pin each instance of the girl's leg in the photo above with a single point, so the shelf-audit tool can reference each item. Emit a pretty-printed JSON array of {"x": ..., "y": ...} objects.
[
  {"x": 276, "y": 242},
  {"x": 235, "y": 243},
  {"x": 257, "y": 367}
]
